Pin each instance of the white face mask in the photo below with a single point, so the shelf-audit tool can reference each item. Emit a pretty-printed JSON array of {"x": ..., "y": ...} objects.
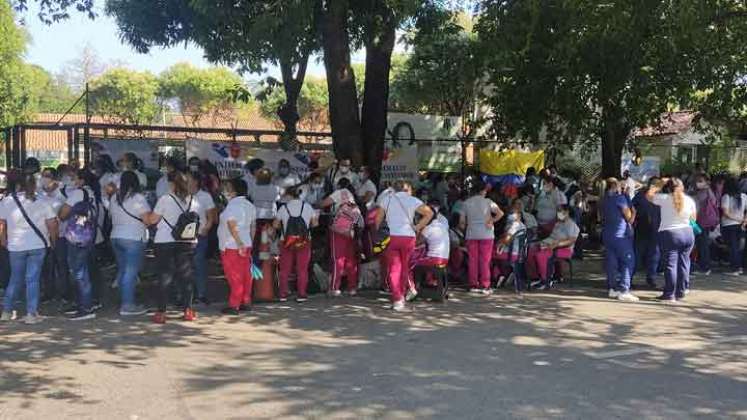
[
  {"x": 701, "y": 185},
  {"x": 194, "y": 168},
  {"x": 344, "y": 169},
  {"x": 317, "y": 185},
  {"x": 67, "y": 181},
  {"x": 562, "y": 216}
]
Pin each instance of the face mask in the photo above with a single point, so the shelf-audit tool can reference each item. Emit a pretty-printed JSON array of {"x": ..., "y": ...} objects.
[
  {"x": 701, "y": 185},
  {"x": 562, "y": 216},
  {"x": 46, "y": 182},
  {"x": 164, "y": 171},
  {"x": 67, "y": 181},
  {"x": 284, "y": 171},
  {"x": 344, "y": 169},
  {"x": 317, "y": 185},
  {"x": 194, "y": 168}
]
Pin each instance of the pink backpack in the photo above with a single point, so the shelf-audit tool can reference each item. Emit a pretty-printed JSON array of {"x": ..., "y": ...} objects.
[
  {"x": 708, "y": 216},
  {"x": 347, "y": 220}
]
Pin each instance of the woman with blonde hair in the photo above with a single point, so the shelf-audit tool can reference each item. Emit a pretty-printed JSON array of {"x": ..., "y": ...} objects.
[{"x": 676, "y": 236}]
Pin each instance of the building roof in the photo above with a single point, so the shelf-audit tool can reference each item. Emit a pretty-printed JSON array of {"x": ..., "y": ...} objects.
[
  {"x": 54, "y": 140},
  {"x": 679, "y": 122}
]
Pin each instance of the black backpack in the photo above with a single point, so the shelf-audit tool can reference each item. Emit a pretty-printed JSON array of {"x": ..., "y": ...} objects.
[
  {"x": 187, "y": 226},
  {"x": 296, "y": 231}
]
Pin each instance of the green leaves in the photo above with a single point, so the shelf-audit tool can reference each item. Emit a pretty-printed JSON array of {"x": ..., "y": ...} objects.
[{"x": 125, "y": 96}]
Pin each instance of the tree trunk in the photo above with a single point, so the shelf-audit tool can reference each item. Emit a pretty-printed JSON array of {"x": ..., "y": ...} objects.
[
  {"x": 343, "y": 98},
  {"x": 614, "y": 133},
  {"x": 288, "y": 113},
  {"x": 379, "y": 47}
]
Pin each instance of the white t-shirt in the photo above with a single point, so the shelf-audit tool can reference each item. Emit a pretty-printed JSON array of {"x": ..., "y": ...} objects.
[
  {"x": 265, "y": 198},
  {"x": 547, "y": 205},
  {"x": 284, "y": 183},
  {"x": 670, "y": 219},
  {"x": 477, "y": 211},
  {"x": 162, "y": 186},
  {"x": 367, "y": 187},
  {"x": 243, "y": 212},
  {"x": 206, "y": 204},
  {"x": 436, "y": 235},
  {"x": 733, "y": 214},
  {"x": 21, "y": 236},
  {"x": 168, "y": 209},
  {"x": 400, "y": 213},
  {"x": 293, "y": 208},
  {"x": 125, "y": 226}
]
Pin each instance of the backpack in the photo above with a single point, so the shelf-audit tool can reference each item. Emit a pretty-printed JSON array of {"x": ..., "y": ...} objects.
[
  {"x": 374, "y": 241},
  {"x": 347, "y": 220},
  {"x": 709, "y": 216},
  {"x": 187, "y": 225},
  {"x": 82, "y": 224},
  {"x": 296, "y": 231}
]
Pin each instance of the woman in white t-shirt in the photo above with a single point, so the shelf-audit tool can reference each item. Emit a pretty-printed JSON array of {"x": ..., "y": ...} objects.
[
  {"x": 546, "y": 205},
  {"x": 295, "y": 254},
  {"x": 366, "y": 192},
  {"x": 400, "y": 208},
  {"x": 26, "y": 246},
  {"x": 478, "y": 217},
  {"x": 733, "y": 210},
  {"x": 676, "y": 236},
  {"x": 208, "y": 218},
  {"x": 129, "y": 210},
  {"x": 345, "y": 256},
  {"x": 437, "y": 243},
  {"x": 175, "y": 257},
  {"x": 235, "y": 232}
]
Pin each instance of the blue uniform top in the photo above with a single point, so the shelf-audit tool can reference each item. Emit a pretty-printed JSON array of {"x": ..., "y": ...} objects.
[
  {"x": 615, "y": 225},
  {"x": 648, "y": 216}
]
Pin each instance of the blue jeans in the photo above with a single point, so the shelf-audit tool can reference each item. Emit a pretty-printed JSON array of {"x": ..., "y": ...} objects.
[
  {"x": 200, "y": 264},
  {"x": 733, "y": 235},
  {"x": 619, "y": 263},
  {"x": 62, "y": 272},
  {"x": 77, "y": 261},
  {"x": 703, "y": 244},
  {"x": 129, "y": 255},
  {"x": 25, "y": 265},
  {"x": 648, "y": 256},
  {"x": 676, "y": 246}
]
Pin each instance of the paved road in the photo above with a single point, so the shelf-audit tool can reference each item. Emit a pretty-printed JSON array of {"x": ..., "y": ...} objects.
[{"x": 569, "y": 353}]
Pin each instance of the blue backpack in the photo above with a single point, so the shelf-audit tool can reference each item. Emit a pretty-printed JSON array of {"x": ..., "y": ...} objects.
[{"x": 82, "y": 223}]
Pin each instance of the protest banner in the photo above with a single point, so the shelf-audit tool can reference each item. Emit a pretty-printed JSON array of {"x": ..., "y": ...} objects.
[
  {"x": 400, "y": 162},
  {"x": 649, "y": 167},
  {"x": 145, "y": 150}
]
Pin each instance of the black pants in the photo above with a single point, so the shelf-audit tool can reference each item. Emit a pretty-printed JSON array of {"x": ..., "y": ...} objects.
[
  {"x": 175, "y": 262},
  {"x": 4, "y": 268}
]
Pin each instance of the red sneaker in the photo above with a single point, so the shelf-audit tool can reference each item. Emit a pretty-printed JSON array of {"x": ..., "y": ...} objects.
[
  {"x": 189, "y": 314},
  {"x": 159, "y": 318}
]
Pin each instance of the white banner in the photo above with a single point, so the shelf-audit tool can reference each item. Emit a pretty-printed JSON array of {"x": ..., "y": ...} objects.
[
  {"x": 649, "y": 168},
  {"x": 230, "y": 158},
  {"x": 400, "y": 162},
  {"x": 146, "y": 150}
]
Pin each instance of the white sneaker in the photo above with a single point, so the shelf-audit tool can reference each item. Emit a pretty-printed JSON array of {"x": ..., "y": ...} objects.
[
  {"x": 486, "y": 292},
  {"x": 627, "y": 297},
  {"x": 9, "y": 316},
  {"x": 476, "y": 290},
  {"x": 707, "y": 273},
  {"x": 411, "y": 295},
  {"x": 613, "y": 294},
  {"x": 734, "y": 273},
  {"x": 398, "y": 306},
  {"x": 687, "y": 292},
  {"x": 335, "y": 293},
  {"x": 32, "y": 319},
  {"x": 133, "y": 311}
]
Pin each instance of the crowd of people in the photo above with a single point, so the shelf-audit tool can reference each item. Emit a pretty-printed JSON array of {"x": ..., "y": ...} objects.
[{"x": 58, "y": 225}]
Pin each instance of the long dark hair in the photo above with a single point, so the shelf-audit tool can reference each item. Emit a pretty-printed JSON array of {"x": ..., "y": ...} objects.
[
  {"x": 731, "y": 188},
  {"x": 27, "y": 185},
  {"x": 129, "y": 185},
  {"x": 181, "y": 187}
]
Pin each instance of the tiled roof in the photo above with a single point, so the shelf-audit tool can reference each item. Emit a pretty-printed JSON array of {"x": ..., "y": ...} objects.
[
  {"x": 57, "y": 139},
  {"x": 671, "y": 123}
]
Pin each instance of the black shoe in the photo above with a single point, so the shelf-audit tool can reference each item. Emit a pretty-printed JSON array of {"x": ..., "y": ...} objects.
[
  {"x": 83, "y": 315},
  {"x": 229, "y": 311},
  {"x": 97, "y": 306},
  {"x": 203, "y": 301},
  {"x": 245, "y": 308}
]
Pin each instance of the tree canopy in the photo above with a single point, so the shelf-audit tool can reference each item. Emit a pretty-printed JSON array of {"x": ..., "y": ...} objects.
[
  {"x": 16, "y": 95},
  {"x": 590, "y": 72},
  {"x": 125, "y": 97},
  {"x": 199, "y": 92}
]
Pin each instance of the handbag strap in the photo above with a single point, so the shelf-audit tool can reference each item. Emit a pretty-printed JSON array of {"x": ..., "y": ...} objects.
[
  {"x": 28, "y": 220},
  {"x": 121, "y": 205}
]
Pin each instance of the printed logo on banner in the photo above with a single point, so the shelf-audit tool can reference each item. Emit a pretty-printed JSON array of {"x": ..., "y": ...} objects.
[{"x": 400, "y": 161}]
